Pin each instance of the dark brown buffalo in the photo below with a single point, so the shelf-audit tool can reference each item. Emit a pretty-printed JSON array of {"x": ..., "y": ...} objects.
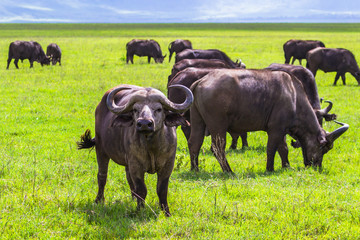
[
  {"x": 308, "y": 81},
  {"x": 135, "y": 127},
  {"x": 199, "y": 63},
  {"x": 297, "y": 49},
  {"x": 253, "y": 100},
  {"x": 144, "y": 48},
  {"x": 337, "y": 60},
  {"x": 206, "y": 54},
  {"x": 53, "y": 51},
  {"x": 27, "y": 50},
  {"x": 187, "y": 77},
  {"x": 178, "y": 45}
]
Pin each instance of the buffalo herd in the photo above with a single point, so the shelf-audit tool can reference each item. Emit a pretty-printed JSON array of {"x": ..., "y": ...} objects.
[{"x": 210, "y": 94}]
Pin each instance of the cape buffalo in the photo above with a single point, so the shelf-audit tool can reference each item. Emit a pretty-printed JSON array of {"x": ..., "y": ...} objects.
[
  {"x": 297, "y": 49},
  {"x": 135, "y": 127},
  {"x": 178, "y": 45},
  {"x": 26, "y": 50},
  {"x": 199, "y": 63},
  {"x": 206, "y": 54},
  {"x": 141, "y": 48},
  {"x": 187, "y": 77},
  {"x": 253, "y": 100},
  {"x": 308, "y": 81},
  {"x": 53, "y": 51},
  {"x": 337, "y": 60}
]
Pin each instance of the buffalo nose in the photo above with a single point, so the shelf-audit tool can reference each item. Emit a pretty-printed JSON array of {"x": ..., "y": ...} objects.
[{"x": 145, "y": 125}]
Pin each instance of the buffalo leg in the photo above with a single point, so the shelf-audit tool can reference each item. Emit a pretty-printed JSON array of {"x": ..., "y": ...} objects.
[
  {"x": 129, "y": 58},
  {"x": 287, "y": 58},
  {"x": 137, "y": 177},
  {"x": 218, "y": 141},
  {"x": 16, "y": 63},
  {"x": 196, "y": 137},
  {"x": 59, "y": 61},
  {"x": 284, "y": 152},
  {"x": 31, "y": 63},
  {"x": 274, "y": 140},
  {"x": 336, "y": 78},
  {"x": 162, "y": 191},
  {"x": 234, "y": 140},
  {"x": 8, "y": 63},
  {"x": 103, "y": 164},
  {"x": 186, "y": 130},
  {"x": 293, "y": 60},
  {"x": 244, "y": 139},
  {"x": 299, "y": 60},
  {"x": 131, "y": 184},
  {"x": 343, "y": 78},
  {"x": 149, "y": 58}
]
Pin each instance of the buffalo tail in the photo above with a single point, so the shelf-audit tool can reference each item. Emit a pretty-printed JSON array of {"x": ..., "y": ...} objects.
[{"x": 86, "y": 141}]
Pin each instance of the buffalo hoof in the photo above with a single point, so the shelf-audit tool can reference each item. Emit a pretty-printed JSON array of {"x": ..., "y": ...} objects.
[{"x": 99, "y": 200}]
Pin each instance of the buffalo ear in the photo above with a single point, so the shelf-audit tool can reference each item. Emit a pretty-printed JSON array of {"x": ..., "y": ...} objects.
[
  {"x": 175, "y": 119},
  {"x": 322, "y": 139},
  {"x": 122, "y": 120}
]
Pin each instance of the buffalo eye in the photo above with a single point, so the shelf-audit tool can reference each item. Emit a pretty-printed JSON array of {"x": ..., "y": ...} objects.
[
  {"x": 158, "y": 110},
  {"x": 134, "y": 110}
]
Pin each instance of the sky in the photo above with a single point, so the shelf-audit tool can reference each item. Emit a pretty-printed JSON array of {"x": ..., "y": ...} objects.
[{"x": 180, "y": 11}]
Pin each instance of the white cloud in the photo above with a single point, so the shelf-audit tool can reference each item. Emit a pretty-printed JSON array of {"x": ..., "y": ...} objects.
[
  {"x": 125, "y": 12},
  {"x": 28, "y": 18},
  {"x": 236, "y": 9},
  {"x": 32, "y": 7},
  {"x": 73, "y": 3},
  {"x": 340, "y": 13}
]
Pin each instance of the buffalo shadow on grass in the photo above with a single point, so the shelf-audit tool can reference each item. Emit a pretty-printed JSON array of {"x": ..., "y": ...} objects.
[
  {"x": 116, "y": 219},
  {"x": 206, "y": 176},
  {"x": 249, "y": 172}
]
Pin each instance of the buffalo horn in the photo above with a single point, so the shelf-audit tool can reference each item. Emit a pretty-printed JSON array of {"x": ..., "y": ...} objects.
[
  {"x": 182, "y": 107},
  {"x": 338, "y": 132},
  {"x": 326, "y": 110},
  {"x": 110, "y": 103}
]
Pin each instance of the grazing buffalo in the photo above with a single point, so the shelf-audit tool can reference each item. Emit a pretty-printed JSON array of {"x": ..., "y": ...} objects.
[
  {"x": 53, "y": 51},
  {"x": 187, "y": 77},
  {"x": 253, "y": 100},
  {"x": 27, "y": 50},
  {"x": 178, "y": 45},
  {"x": 142, "y": 48},
  {"x": 308, "y": 81},
  {"x": 199, "y": 63},
  {"x": 135, "y": 127},
  {"x": 337, "y": 60},
  {"x": 206, "y": 54},
  {"x": 297, "y": 49}
]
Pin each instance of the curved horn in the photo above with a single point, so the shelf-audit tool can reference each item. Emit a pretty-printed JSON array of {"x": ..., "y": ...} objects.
[
  {"x": 326, "y": 110},
  {"x": 110, "y": 103},
  {"x": 338, "y": 132},
  {"x": 182, "y": 107}
]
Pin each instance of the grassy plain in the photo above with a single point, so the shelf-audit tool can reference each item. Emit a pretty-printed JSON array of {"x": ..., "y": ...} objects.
[{"x": 47, "y": 187}]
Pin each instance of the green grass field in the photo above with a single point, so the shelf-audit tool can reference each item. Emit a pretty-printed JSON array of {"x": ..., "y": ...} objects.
[{"x": 47, "y": 186}]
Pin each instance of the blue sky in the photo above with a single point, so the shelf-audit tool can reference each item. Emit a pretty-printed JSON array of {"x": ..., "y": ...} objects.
[{"x": 139, "y": 11}]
